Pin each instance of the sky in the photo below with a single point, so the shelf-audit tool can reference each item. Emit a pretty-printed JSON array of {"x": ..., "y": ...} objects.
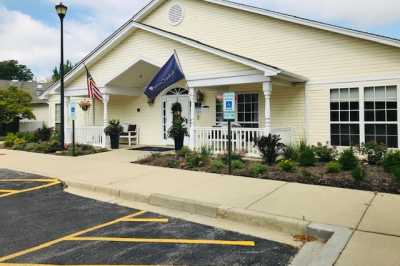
[{"x": 29, "y": 29}]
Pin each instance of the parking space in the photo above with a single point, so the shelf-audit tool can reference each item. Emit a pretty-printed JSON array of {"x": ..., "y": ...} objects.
[{"x": 48, "y": 226}]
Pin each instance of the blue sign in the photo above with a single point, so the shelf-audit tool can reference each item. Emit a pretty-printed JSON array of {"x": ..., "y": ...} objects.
[
  {"x": 229, "y": 106},
  {"x": 72, "y": 110}
]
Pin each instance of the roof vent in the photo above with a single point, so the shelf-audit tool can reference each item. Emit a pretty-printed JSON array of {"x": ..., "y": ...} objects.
[{"x": 175, "y": 15}]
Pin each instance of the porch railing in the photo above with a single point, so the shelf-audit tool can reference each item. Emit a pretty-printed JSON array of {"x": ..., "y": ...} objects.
[
  {"x": 87, "y": 135},
  {"x": 216, "y": 139}
]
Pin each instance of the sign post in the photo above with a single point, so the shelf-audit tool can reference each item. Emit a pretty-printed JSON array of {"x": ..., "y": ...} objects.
[
  {"x": 229, "y": 115},
  {"x": 72, "y": 115}
]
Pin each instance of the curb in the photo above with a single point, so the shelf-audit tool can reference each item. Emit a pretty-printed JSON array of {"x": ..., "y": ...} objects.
[
  {"x": 278, "y": 223},
  {"x": 325, "y": 252}
]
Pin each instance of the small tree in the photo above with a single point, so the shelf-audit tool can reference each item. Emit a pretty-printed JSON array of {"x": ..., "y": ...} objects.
[
  {"x": 15, "y": 104},
  {"x": 269, "y": 147},
  {"x": 11, "y": 70}
]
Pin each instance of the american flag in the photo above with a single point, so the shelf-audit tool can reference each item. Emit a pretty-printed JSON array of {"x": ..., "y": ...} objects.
[{"x": 93, "y": 91}]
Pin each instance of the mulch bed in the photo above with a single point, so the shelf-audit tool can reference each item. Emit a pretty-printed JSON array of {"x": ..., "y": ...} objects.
[{"x": 377, "y": 180}]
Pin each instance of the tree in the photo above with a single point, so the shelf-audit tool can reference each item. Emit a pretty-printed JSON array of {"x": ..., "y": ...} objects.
[
  {"x": 56, "y": 72},
  {"x": 11, "y": 70},
  {"x": 15, "y": 104}
]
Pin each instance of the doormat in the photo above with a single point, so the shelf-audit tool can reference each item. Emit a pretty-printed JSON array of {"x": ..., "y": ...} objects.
[{"x": 153, "y": 149}]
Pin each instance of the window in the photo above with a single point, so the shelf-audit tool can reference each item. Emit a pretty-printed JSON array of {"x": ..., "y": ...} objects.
[
  {"x": 57, "y": 118},
  {"x": 380, "y": 115},
  {"x": 345, "y": 117},
  {"x": 247, "y": 110}
]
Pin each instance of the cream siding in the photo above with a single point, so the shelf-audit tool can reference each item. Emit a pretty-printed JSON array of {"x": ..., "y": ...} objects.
[
  {"x": 156, "y": 50},
  {"x": 315, "y": 54},
  {"x": 41, "y": 112}
]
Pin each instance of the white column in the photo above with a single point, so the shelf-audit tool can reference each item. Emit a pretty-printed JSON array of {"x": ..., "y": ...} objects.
[
  {"x": 267, "y": 89},
  {"x": 192, "y": 137},
  {"x": 106, "y": 99}
]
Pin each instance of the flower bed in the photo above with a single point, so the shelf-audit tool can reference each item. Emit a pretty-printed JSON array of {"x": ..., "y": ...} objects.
[
  {"x": 44, "y": 140},
  {"x": 318, "y": 165}
]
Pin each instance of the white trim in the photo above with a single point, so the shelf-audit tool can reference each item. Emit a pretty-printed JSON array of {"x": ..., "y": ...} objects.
[
  {"x": 219, "y": 81},
  {"x": 268, "y": 70},
  {"x": 284, "y": 17},
  {"x": 343, "y": 82}
]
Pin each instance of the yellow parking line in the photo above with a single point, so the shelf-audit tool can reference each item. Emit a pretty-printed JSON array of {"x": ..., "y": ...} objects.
[
  {"x": 29, "y": 180},
  {"x": 30, "y": 189},
  {"x": 150, "y": 220},
  {"x": 56, "y": 241},
  {"x": 7, "y": 190},
  {"x": 165, "y": 241}
]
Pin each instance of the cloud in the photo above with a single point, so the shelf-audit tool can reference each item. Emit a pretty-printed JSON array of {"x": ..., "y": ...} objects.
[{"x": 359, "y": 13}]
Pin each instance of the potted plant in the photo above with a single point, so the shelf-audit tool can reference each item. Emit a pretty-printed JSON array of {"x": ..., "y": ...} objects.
[
  {"x": 114, "y": 130},
  {"x": 85, "y": 104},
  {"x": 199, "y": 99},
  {"x": 178, "y": 130}
]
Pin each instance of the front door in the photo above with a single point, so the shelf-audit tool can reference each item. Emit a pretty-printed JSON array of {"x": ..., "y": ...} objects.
[{"x": 168, "y": 101}]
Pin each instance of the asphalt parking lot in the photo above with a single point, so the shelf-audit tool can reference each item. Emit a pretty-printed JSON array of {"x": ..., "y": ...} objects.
[{"x": 42, "y": 224}]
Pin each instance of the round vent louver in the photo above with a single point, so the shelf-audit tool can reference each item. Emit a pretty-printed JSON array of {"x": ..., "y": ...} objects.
[{"x": 175, "y": 15}]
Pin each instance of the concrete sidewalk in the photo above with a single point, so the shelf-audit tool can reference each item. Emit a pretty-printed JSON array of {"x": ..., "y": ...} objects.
[{"x": 375, "y": 218}]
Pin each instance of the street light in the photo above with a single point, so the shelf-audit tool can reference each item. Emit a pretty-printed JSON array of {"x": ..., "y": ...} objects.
[{"x": 62, "y": 11}]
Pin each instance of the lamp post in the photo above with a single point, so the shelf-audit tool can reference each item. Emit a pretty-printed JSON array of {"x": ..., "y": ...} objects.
[{"x": 62, "y": 11}]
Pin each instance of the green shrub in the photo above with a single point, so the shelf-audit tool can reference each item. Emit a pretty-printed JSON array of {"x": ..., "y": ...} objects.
[
  {"x": 31, "y": 146},
  {"x": 43, "y": 134},
  {"x": 205, "y": 154},
  {"x": 80, "y": 149},
  {"x": 358, "y": 173},
  {"x": 257, "y": 169},
  {"x": 19, "y": 144},
  {"x": 193, "y": 160},
  {"x": 217, "y": 166},
  {"x": 324, "y": 153},
  {"x": 270, "y": 147},
  {"x": 287, "y": 165},
  {"x": 238, "y": 165},
  {"x": 291, "y": 152},
  {"x": 307, "y": 156},
  {"x": 396, "y": 174},
  {"x": 306, "y": 174},
  {"x": 348, "y": 160},
  {"x": 9, "y": 140},
  {"x": 391, "y": 161},
  {"x": 333, "y": 167},
  {"x": 183, "y": 152},
  {"x": 375, "y": 152},
  {"x": 27, "y": 136},
  {"x": 172, "y": 163}
]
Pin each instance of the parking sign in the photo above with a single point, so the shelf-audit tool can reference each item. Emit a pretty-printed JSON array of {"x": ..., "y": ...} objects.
[
  {"x": 72, "y": 110},
  {"x": 229, "y": 106}
]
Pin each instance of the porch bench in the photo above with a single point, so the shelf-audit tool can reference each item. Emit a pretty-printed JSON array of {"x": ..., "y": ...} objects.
[{"x": 131, "y": 133}]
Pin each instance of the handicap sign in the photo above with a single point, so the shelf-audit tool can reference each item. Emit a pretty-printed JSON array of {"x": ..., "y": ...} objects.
[
  {"x": 229, "y": 106},
  {"x": 72, "y": 110}
]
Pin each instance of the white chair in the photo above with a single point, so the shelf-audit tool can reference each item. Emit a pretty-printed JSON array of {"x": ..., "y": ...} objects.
[{"x": 131, "y": 133}]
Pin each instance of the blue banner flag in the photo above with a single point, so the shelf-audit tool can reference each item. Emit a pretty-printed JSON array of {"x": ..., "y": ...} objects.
[{"x": 169, "y": 74}]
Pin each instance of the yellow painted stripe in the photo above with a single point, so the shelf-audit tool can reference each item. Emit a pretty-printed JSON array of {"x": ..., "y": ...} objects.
[
  {"x": 7, "y": 190},
  {"x": 165, "y": 241},
  {"x": 56, "y": 241},
  {"x": 150, "y": 220},
  {"x": 30, "y": 189},
  {"x": 29, "y": 180}
]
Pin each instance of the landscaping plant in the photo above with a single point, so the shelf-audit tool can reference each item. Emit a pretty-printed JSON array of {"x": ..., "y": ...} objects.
[
  {"x": 396, "y": 174},
  {"x": 358, "y": 173},
  {"x": 257, "y": 169},
  {"x": 193, "y": 160},
  {"x": 333, "y": 167},
  {"x": 307, "y": 156},
  {"x": 178, "y": 130},
  {"x": 325, "y": 153},
  {"x": 270, "y": 147},
  {"x": 114, "y": 130},
  {"x": 217, "y": 166},
  {"x": 287, "y": 165},
  {"x": 238, "y": 165},
  {"x": 291, "y": 152},
  {"x": 348, "y": 160},
  {"x": 183, "y": 152},
  {"x": 43, "y": 134},
  {"x": 391, "y": 161},
  {"x": 375, "y": 152}
]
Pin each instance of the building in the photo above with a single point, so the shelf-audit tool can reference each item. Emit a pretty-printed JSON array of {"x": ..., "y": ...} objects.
[
  {"x": 298, "y": 78},
  {"x": 40, "y": 108}
]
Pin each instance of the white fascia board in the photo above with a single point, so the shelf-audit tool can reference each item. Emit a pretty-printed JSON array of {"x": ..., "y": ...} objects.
[
  {"x": 228, "y": 80},
  {"x": 269, "y": 71}
]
